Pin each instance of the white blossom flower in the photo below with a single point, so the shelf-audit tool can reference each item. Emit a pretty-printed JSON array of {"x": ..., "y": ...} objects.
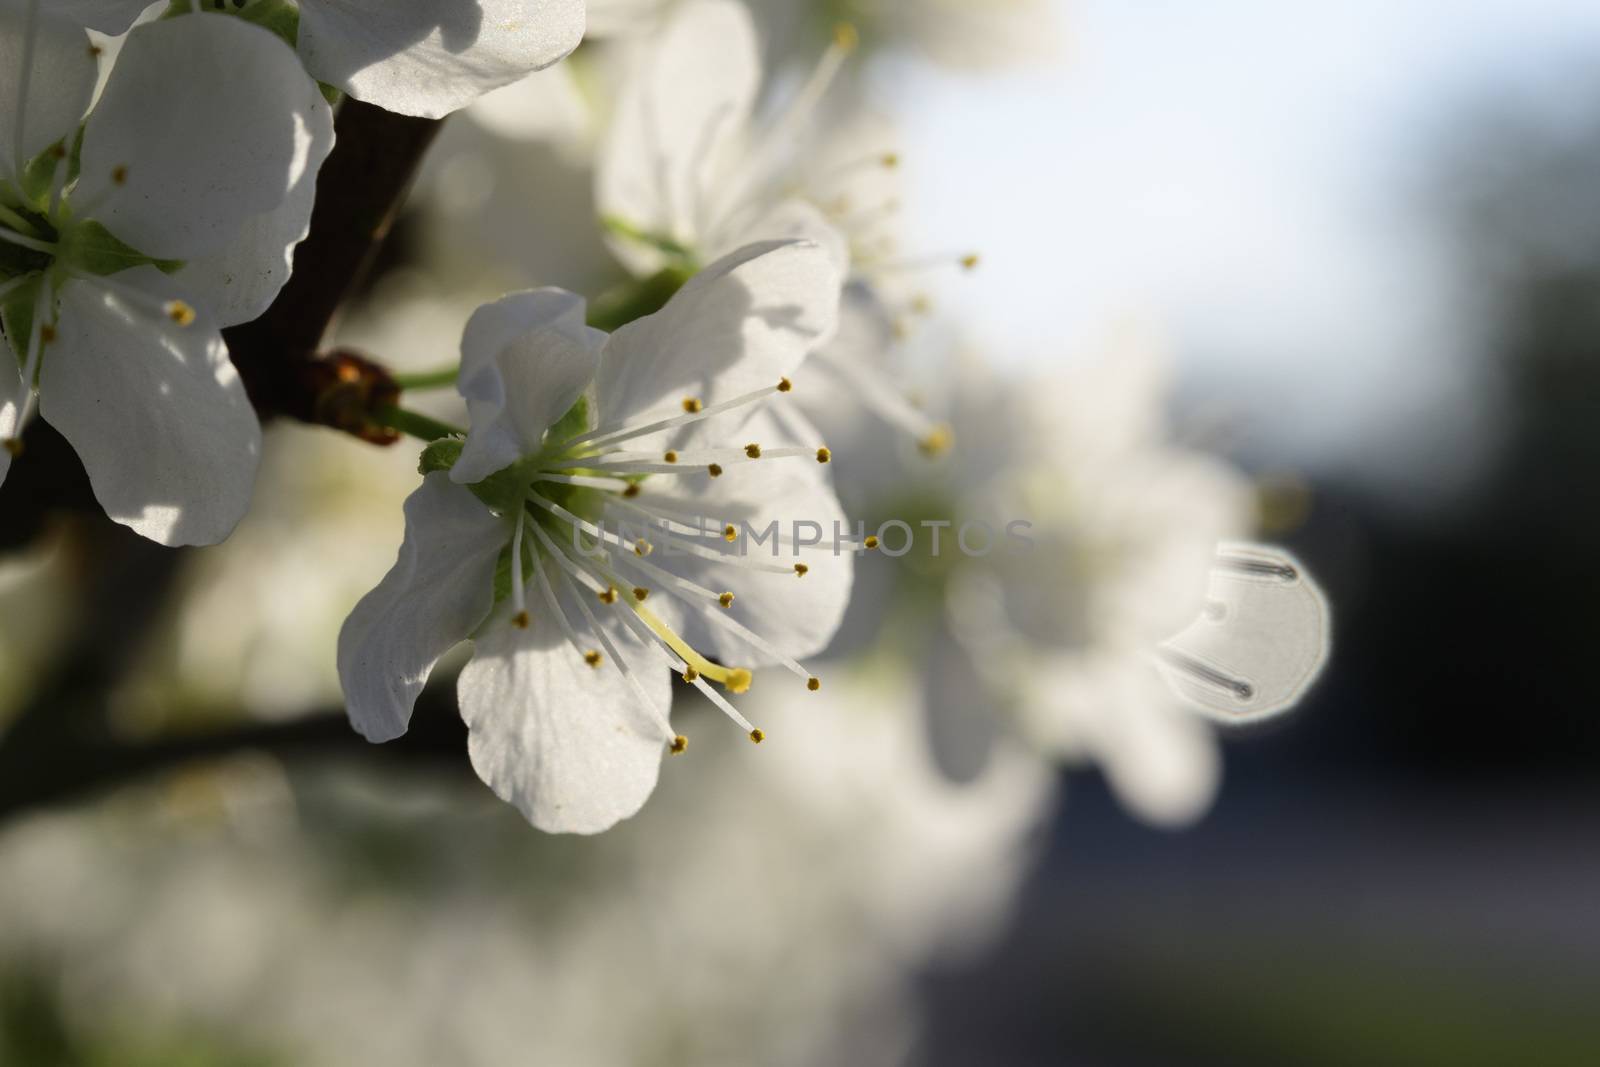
[
  {"x": 123, "y": 252},
  {"x": 416, "y": 57},
  {"x": 957, "y": 34},
  {"x": 684, "y": 169},
  {"x": 661, "y": 427}
]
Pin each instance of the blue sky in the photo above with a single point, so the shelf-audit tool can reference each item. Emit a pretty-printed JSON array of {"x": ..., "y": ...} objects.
[{"x": 1250, "y": 176}]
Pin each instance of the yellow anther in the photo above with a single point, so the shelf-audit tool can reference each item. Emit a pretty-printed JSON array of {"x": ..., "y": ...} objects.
[
  {"x": 47, "y": 333},
  {"x": 690, "y": 675},
  {"x": 813, "y": 683},
  {"x": 608, "y": 595},
  {"x": 640, "y": 592},
  {"x": 757, "y": 736},
  {"x": 726, "y": 600},
  {"x": 969, "y": 261},
  {"x": 119, "y": 175},
  {"x": 642, "y": 547},
  {"x": 520, "y": 620},
  {"x": 715, "y": 470},
  {"x": 670, "y": 457},
  {"x": 95, "y": 51},
  {"x": 922, "y": 303},
  {"x": 692, "y": 404},
  {"x": 938, "y": 441},
  {"x": 593, "y": 659},
  {"x": 800, "y": 570},
  {"x": 890, "y": 159},
  {"x": 58, "y": 151},
  {"x": 632, "y": 490},
  {"x": 14, "y": 445},
  {"x": 784, "y": 385},
  {"x": 179, "y": 312},
  {"x": 679, "y": 743},
  {"x": 845, "y": 36},
  {"x": 752, "y": 450},
  {"x": 730, "y": 533},
  {"x": 824, "y": 455},
  {"x": 871, "y": 541}
]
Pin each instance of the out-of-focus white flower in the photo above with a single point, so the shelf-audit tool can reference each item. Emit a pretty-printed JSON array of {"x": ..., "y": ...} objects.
[
  {"x": 953, "y": 33},
  {"x": 684, "y": 171},
  {"x": 416, "y": 57},
  {"x": 225, "y": 902},
  {"x": 1098, "y": 638},
  {"x": 575, "y": 432},
  {"x": 121, "y": 259}
]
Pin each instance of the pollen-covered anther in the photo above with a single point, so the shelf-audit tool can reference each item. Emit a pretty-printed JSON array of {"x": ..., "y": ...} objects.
[
  {"x": 824, "y": 454},
  {"x": 58, "y": 151},
  {"x": 800, "y": 570},
  {"x": 845, "y": 36},
  {"x": 757, "y": 736},
  {"x": 970, "y": 261},
  {"x": 691, "y": 675},
  {"x": 679, "y": 743},
  {"x": 179, "y": 312},
  {"x": 715, "y": 470},
  {"x": 937, "y": 442},
  {"x": 13, "y": 445},
  {"x": 642, "y": 547},
  {"x": 608, "y": 595},
  {"x": 640, "y": 592},
  {"x": 119, "y": 175},
  {"x": 632, "y": 490},
  {"x": 752, "y": 450},
  {"x": 670, "y": 457},
  {"x": 520, "y": 620},
  {"x": 47, "y": 334},
  {"x": 785, "y": 385},
  {"x": 871, "y": 541},
  {"x": 890, "y": 159},
  {"x": 730, "y": 533},
  {"x": 593, "y": 659},
  {"x": 692, "y": 404},
  {"x": 813, "y": 683},
  {"x": 726, "y": 600}
]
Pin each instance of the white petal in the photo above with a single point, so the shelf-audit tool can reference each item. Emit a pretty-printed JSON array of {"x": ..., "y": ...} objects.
[
  {"x": 567, "y": 744},
  {"x": 240, "y": 282},
  {"x": 739, "y": 325},
  {"x": 107, "y": 16},
  {"x": 59, "y": 80},
  {"x": 439, "y": 590},
  {"x": 525, "y": 359},
  {"x": 1260, "y": 643},
  {"x": 798, "y": 615},
  {"x": 203, "y": 118},
  {"x": 681, "y": 112},
  {"x": 154, "y": 409},
  {"x": 431, "y": 57},
  {"x": 787, "y": 220},
  {"x": 12, "y": 396}
]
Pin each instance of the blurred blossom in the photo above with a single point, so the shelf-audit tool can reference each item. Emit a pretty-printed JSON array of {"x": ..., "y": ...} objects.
[
  {"x": 959, "y": 34},
  {"x": 773, "y": 905},
  {"x": 34, "y": 614},
  {"x": 1050, "y": 629}
]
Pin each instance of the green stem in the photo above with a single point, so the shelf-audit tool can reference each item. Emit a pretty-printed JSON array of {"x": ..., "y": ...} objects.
[
  {"x": 635, "y": 299},
  {"x": 418, "y": 425},
  {"x": 442, "y": 378}
]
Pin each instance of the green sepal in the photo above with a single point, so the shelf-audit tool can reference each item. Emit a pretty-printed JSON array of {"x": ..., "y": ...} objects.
[
  {"x": 505, "y": 490},
  {"x": 573, "y": 423},
  {"x": 440, "y": 455},
  {"x": 617, "y": 307},
  {"x": 280, "y": 18},
  {"x": 91, "y": 247},
  {"x": 38, "y": 176},
  {"x": 16, "y": 316}
]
